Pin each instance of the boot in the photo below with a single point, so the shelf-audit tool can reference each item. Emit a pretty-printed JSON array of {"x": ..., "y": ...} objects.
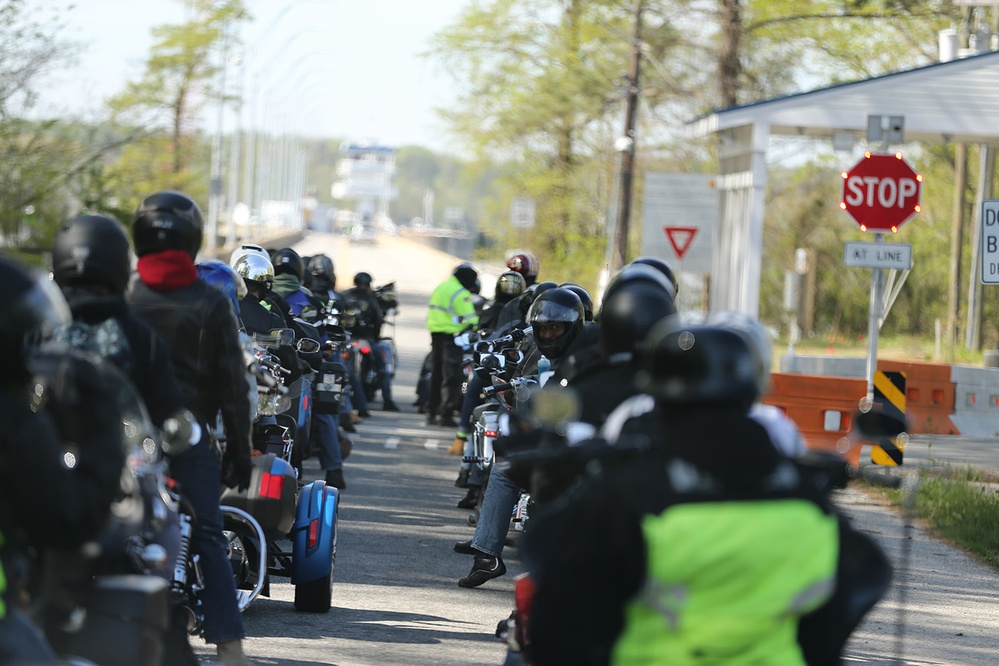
[
  {"x": 334, "y": 477},
  {"x": 458, "y": 447},
  {"x": 231, "y": 654}
]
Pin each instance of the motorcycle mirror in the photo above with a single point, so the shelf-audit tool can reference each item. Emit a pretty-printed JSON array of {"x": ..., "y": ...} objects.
[
  {"x": 285, "y": 336},
  {"x": 308, "y": 346},
  {"x": 309, "y": 313}
]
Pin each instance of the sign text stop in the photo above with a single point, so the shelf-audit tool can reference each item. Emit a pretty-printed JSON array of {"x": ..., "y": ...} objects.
[{"x": 881, "y": 192}]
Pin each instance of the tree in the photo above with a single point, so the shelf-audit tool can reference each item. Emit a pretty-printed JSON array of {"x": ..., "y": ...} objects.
[{"x": 179, "y": 79}]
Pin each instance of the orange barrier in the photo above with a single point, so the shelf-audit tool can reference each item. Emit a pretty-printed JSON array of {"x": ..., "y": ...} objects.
[
  {"x": 821, "y": 407},
  {"x": 929, "y": 396}
]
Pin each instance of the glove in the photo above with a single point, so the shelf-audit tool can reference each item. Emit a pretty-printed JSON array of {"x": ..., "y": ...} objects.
[{"x": 236, "y": 471}]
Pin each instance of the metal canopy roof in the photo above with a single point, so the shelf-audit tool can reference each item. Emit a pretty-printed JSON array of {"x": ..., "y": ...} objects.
[{"x": 956, "y": 101}]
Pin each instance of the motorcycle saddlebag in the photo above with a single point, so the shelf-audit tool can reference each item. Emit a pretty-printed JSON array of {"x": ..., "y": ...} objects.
[
  {"x": 330, "y": 380},
  {"x": 126, "y": 618},
  {"x": 270, "y": 499}
]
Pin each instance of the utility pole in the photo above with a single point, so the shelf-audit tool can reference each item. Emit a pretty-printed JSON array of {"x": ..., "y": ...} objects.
[{"x": 628, "y": 148}]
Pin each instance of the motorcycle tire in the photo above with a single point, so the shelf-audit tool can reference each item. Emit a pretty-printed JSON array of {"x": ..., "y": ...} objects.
[{"x": 316, "y": 596}]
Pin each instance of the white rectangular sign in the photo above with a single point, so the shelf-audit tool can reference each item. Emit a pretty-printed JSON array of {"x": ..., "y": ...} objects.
[
  {"x": 679, "y": 215},
  {"x": 522, "y": 213},
  {"x": 990, "y": 241},
  {"x": 860, "y": 254}
]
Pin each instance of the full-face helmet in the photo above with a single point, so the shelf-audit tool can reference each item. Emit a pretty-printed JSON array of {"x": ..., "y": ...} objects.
[
  {"x": 556, "y": 317},
  {"x": 92, "y": 249},
  {"x": 168, "y": 220}
]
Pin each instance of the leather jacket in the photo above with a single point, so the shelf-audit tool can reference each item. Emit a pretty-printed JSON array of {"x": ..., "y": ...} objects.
[{"x": 198, "y": 323}]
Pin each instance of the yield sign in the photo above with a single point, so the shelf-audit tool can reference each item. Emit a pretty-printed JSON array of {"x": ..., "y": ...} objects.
[{"x": 680, "y": 238}]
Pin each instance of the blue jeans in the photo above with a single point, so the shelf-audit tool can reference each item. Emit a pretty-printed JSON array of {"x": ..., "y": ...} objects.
[
  {"x": 494, "y": 518},
  {"x": 328, "y": 440},
  {"x": 22, "y": 643},
  {"x": 359, "y": 401},
  {"x": 383, "y": 363},
  {"x": 197, "y": 471}
]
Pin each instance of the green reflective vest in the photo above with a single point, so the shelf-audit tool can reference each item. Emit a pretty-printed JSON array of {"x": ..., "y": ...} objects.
[
  {"x": 727, "y": 583},
  {"x": 449, "y": 301}
]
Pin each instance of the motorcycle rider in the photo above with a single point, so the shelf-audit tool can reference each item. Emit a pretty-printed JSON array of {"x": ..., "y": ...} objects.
[
  {"x": 197, "y": 322},
  {"x": 661, "y": 538},
  {"x": 91, "y": 263},
  {"x": 556, "y": 318},
  {"x": 451, "y": 311},
  {"x": 38, "y": 419},
  {"x": 368, "y": 327}
]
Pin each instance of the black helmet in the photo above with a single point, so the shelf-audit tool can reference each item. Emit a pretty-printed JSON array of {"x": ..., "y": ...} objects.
[
  {"x": 466, "y": 275},
  {"x": 92, "y": 249},
  {"x": 584, "y": 296},
  {"x": 168, "y": 221},
  {"x": 628, "y": 314},
  {"x": 699, "y": 364},
  {"x": 638, "y": 273},
  {"x": 287, "y": 261},
  {"x": 321, "y": 266},
  {"x": 510, "y": 285},
  {"x": 531, "y": 293},
  {"x": 663, "y": 268},
  {"x": 362, "y": 278},
  {"x": 557, "y": 318},
  {"x": 30, "y": 308}
]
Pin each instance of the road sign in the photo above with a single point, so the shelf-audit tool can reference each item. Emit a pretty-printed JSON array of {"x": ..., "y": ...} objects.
[
  {"x": 881, "y": 192},
  {"x": 878, "y": 255},
  {"x": 680, "y": 238},
  {"x": 990, "y": 242},
  {"x": 679, "y": 213},
  {"x": 522, "y": 213}
]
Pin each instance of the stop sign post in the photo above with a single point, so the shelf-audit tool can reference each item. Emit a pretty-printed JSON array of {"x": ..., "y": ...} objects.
[{"x": 880, "y": 192}]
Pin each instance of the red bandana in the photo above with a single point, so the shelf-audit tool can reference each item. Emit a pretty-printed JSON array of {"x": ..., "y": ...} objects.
[{"x": 167, "y": 270}]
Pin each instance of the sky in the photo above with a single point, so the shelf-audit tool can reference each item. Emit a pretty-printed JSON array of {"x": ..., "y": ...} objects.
[{"x": 335, "y": 68}]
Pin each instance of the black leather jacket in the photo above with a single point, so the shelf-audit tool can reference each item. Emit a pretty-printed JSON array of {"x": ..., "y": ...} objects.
[{"x": 198, "y": 324}]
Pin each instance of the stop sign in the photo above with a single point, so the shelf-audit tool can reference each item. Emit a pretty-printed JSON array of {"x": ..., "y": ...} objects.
[{"x": 881, "y": 192}]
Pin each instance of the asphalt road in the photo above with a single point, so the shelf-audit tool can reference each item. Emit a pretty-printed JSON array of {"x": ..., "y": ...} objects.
[{"x": 396, "y": 599}]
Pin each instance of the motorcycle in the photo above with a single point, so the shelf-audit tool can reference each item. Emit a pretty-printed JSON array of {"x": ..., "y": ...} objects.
[{"x": 274, "y": 510}]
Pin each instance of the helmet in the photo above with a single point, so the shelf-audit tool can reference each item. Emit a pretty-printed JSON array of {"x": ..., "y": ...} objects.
[
  {"x": 168, "y": 221},
  {"x": 699, "y": 364},
  {"x": 362, "y": 278},
  {"x": 627, "y": 315},
  {"x": 526, "y": 264},
  {"x": 638, "y": 273},
  {"x": 663, "y": 268},
  {"x": 584, "y": 296},
  {"x": 229, "y": 282},
  {"x": 531, "y": 293},
  {"x": 756, "y": 335},
  {"x": 510, "y": 285},
  {"x": 287, "y": 261},
  {"x": 255, "y": 268},
  {"x": 321, "y": 266},
  {"x": 557, "y": 318},
  {"x": 31, "y": 306},
  {"x": 247, "y": 248},
  {"x": 466, "y": 275},
  {"x": 92, "y": 249}
]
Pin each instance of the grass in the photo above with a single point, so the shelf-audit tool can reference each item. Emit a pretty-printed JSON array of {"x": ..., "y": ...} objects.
[
  {"x": 895, "y": 347},
  {"x": 962, "y": 506}
]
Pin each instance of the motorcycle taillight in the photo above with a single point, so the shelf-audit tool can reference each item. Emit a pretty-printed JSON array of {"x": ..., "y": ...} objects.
[
  {"x": 271, "y": 485},
  {"x": 365, "y": 350},
  {"x": 523, "y": 594}
]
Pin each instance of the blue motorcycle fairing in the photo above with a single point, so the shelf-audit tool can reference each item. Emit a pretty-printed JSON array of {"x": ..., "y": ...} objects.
[{"x": 316, "y": 501}]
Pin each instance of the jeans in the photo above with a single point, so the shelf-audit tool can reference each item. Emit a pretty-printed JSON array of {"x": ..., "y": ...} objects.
[
  {"x": 383, "y": 364},
  {"x": 22, "y": 643},
  {"x": 494, "y": 518},
  {"x": 328, "y": 440},
  {"x": 197, "y": 471},
  {"x": 359, "y": 401}
]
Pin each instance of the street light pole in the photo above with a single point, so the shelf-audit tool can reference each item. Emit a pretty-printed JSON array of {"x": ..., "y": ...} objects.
[{"x": 628, "y": 144}]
